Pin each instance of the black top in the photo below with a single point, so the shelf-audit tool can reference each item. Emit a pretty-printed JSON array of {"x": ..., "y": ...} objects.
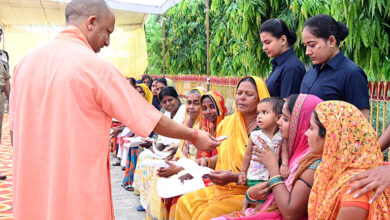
[
  {"x": 339, "y": 79},
  {"x": 287, "y": 74}
]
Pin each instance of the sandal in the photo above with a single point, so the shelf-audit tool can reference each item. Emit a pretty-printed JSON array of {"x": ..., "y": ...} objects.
[{"x": 140, "y": 208}]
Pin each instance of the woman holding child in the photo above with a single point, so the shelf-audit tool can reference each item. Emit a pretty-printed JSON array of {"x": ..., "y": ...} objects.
[
  {"x": 225, "y": 195},
  {"x": 289, "y": 197}
]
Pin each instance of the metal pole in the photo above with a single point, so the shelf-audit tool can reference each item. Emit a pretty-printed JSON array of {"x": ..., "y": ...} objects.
[
  {"x": 163, "y": 45},
  {"x": 208, "y": 43}
]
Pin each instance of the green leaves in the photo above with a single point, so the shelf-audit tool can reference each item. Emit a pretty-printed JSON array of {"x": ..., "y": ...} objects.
[{"x": 235, "y": 47}]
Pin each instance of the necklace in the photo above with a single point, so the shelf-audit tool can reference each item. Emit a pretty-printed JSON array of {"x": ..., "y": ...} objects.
[{"x": 251, "y": 124}]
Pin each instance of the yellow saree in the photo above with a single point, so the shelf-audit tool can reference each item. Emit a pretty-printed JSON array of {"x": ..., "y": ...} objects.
[{"x": 217, "y": 200}]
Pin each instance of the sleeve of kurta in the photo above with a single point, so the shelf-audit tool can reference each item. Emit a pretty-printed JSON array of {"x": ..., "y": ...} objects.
[{"x": 121, "y": 101}]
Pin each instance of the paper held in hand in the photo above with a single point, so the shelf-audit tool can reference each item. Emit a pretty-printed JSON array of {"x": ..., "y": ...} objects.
[{"x": 171, "y": 187}]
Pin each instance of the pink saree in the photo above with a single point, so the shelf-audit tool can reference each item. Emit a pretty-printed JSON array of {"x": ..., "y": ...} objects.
[{"x": 298, "y": 148}]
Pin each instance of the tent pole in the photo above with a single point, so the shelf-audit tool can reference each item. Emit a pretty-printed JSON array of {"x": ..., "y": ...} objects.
[
  {"x": 208, "y": 43},
  {"x": 163, "y": 45}
]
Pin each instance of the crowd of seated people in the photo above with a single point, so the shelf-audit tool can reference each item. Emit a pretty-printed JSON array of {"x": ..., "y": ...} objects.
[{"x": 294, "y": 145}]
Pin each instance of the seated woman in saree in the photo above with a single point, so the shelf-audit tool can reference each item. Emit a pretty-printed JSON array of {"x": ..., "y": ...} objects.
[
  {"x": 143, "y": 174},
  {"x": 348, "y": 145},
  {"x": 225, "y": 195},
  {"x": 155, "y": 102},
  {"x": 289, "y": 198},
  {"x": 131, "y": 156},
  {"x": 213, "y": 110},
  {"x": 192, "y": 120}
]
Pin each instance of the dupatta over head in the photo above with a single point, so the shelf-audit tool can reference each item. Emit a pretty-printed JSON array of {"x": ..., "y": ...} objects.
[
  {"x": 298, "y": 149},
  {"x": 297, "y": 142},
  {"x": 232, "y": 150},
  {"x": 148, "y": 93},
  {"x": 351, "y": 146},
  {"x": 195, "y": 125}
]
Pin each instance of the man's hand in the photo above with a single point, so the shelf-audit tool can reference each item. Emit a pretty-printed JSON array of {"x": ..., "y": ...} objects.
[
  {"x": 205, "y": 141},
  {"x": 376, "y": 179}
]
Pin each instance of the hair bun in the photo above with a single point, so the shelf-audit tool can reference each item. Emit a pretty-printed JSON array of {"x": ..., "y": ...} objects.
[
  {"x": 293, "y": 37},
  {"x": 343, "y": 31}
]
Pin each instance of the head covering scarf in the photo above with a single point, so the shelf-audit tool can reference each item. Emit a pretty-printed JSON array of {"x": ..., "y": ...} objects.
[
  {"x": 219, "y": 103},
  {"x": 351, "y": 146},
  {"x": 196, "y": 124},
  {"x": 298, "y": 148},
  {"x": 232, "y": 150},
  {"x": 170, "y": 82},
  {"x": 148, "y": 93}
]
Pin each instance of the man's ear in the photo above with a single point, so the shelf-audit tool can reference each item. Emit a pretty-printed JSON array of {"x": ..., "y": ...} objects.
[{"x": 91, "y": 23}]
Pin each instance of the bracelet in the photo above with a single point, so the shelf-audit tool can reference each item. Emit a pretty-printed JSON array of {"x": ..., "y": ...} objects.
[
  {"x": 276, "y": 179},
  {"x": 196, "y": 136},
  {"x": 207, "y": 161},
  {"x": 209, "y": 164},
  {"x": 284, "y": 165},
  {"x": 249, "y": 198},
  {"x": 276, "y": 184}
]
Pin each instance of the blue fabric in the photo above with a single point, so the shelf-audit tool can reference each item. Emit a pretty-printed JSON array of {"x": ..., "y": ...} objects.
[
  {"x": 339, "y": 79},
  {"x": 156, "y": 103},
  {"x": 131, "y": 164},
  {"x": 287, "y": 74},
  {"x": 315, "y": 164}
]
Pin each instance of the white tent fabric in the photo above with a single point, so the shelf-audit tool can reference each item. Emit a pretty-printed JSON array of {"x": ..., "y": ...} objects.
[
  {"x": 27, "y": 23},
  {"x": 144, "y": 6}
]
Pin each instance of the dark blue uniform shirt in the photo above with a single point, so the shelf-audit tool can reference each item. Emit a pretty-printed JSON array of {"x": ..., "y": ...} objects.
[
  {"x": 287, "y": 74},
  {"x": 339, "y": 79}
]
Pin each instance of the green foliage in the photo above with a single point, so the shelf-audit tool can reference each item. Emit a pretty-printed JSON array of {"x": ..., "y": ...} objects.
[
  {"x": 235, "y": 47},
  {"x": 153, "y": 34}
]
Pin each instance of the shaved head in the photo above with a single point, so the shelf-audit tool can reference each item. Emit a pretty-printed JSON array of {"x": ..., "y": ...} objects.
[{"x": 78, "y": 10}]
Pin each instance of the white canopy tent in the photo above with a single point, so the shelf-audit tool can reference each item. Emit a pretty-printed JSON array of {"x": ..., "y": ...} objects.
[{"x": 26, "y": 23}]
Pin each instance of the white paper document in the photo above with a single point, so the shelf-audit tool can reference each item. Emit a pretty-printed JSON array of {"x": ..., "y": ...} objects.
[
  {"x": 168, "y": 188},
  {"x": 171, "y": 187},
  {"x": 193, "y": 168}
]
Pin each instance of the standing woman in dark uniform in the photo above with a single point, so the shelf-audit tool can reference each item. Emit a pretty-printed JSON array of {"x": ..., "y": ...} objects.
[
  {"x": 287, "y": 69},
  {"x": 334, "y": 76}
]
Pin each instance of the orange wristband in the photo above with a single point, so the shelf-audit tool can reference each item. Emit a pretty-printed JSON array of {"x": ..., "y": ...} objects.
[{"x": 196, "y": 136}]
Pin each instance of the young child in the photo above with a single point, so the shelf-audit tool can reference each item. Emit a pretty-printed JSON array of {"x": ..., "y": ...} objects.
[{"x": 253, "y": 172}]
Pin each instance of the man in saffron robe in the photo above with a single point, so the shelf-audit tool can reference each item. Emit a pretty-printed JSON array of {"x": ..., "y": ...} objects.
[{"x": 62, "y": 102}]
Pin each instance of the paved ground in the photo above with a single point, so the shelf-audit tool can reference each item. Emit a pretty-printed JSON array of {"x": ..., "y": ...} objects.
[{"x": 125, "y": 202}]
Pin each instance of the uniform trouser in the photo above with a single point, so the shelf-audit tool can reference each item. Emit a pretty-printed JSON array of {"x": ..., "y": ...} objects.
[{"x": 2, "y": 101}]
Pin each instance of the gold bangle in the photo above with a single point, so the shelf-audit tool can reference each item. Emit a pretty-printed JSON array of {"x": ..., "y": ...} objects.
[
  {"x": 247, "y": 193},
  {"x": 275, "y": 176},
  {"x": 276, "y": 184}
]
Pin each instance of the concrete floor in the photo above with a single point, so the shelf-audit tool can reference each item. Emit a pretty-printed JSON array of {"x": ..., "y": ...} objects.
[{"x": 125, "y": 202}]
